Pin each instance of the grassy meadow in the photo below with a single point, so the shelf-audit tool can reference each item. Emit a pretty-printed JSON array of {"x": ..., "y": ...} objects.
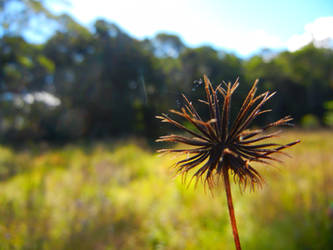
[{"x": 123, "y": 196}]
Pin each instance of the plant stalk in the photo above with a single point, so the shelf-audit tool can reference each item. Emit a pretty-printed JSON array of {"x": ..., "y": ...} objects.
[{"x": 231, "y": 208}]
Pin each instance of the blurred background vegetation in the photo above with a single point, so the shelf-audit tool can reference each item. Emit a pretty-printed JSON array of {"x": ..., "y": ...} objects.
[
  {"x": 121, "y": 196},
  {"x": 102, "y": 82},
  {"x": 69, "y": 180}
]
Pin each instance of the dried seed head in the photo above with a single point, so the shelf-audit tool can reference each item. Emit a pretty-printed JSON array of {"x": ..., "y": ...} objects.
[{"x": 216, "y": 145}]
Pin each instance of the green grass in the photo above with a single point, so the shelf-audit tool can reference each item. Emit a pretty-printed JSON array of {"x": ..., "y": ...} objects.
[{"x": 120, "y": 196}]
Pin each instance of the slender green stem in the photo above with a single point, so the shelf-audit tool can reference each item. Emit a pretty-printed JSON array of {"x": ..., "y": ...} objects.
[{"x": 231, "y": 208}]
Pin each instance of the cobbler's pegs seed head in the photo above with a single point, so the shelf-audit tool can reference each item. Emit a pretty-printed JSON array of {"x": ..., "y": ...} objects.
[{"x": 217, "y": 145}]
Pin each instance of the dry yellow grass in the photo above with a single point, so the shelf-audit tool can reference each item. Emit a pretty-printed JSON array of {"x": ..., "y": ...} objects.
[{"x": 122, "y": 197}]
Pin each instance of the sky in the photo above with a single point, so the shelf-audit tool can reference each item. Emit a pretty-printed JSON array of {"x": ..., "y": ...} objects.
[{"x": 243, "y": 27}]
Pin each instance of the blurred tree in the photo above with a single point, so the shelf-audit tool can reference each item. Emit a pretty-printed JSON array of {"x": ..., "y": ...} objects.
[
  {"x": 313, "y": 68},
  {"x": 21, "y": 16},
  {"x": 167, "y": 45},
  {"x": 303, "y": 80},
  {"x": 24, "y": 72},
  {"x": 102, "y": 82},
  {"x": 118, "y": 83},
  {"x": 23, "y": 66}
]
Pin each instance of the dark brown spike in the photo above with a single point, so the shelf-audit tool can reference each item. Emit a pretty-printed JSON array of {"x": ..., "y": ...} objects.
[
  {"x": 264, "y": 137},
  {"x": 203, "y": 127},
  {"x": 257, "y": 146},
  {"x": 181, "y": 139},
  {"x": 222, "y": 91},
  {"x": 202, "y": 101},
  {"x": 255, "y": 112},
  {"x": 177, "y": 124},
  {"x": 217, "y": 115},
  {"x": 225, "y": 115},
  {"x": 191, "y": 158},
  {"x": 187, "y": 166},
  {"x": 208, "y": 95},
  {"x": 248, "y": 98},
  {"x": 197, "y": 116},
  {"x": 280, "y": 122}
]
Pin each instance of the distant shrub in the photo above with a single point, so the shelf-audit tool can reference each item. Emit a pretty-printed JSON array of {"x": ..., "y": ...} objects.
[
  {"x": 310, "y": 121},
  {"x": 328, "y": 117}
]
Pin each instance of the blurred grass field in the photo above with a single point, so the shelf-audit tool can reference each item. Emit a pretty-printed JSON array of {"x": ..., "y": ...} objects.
[{"x": 121, "y": 196}]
